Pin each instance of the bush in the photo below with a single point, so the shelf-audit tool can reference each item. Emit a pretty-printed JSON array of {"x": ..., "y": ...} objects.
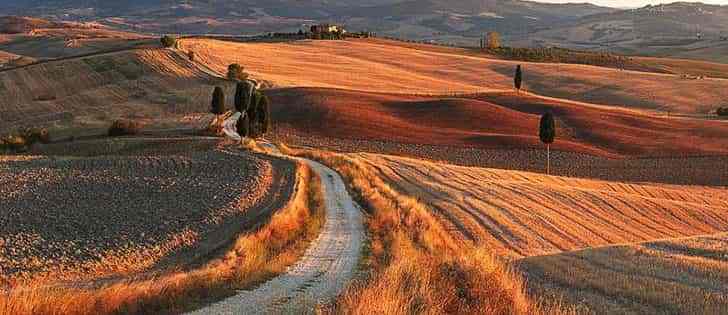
[
  {"x": 236, "y": 72},
  {"x": 34, "y": 135},
  {"x": 168, "y": 41},
  {"x": 13, "y": 143},
  {"x": 722, "y": 111},
  {"x": 191, "y": 55},
  {"x": 124, "y": 128}
]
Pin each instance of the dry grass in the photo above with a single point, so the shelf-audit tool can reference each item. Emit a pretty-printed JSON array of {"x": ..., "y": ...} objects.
[
  {"x": 519, "y": 214},
  {"x": 253, "y": 258},
  {"x": 678, "y": 276},
  {"x": 417, "y": 266},
  {"x": 567, "y": 228},
  {"x": 380, "y": 66}
]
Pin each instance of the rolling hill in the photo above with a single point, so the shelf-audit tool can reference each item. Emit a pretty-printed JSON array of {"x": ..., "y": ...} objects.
[{"x": 380, "y": 66}]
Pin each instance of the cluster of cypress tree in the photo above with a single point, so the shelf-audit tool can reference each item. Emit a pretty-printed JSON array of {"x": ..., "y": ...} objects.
[{"x": 255, "y": 120}]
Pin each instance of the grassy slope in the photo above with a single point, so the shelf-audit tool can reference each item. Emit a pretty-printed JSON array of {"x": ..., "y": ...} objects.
[{"x": 378, "y": 66}]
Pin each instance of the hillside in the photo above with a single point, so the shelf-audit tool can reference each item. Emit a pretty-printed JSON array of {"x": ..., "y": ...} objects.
[
  {"x": 605, "y": 247},
  {"x": 143, "y": 83},
  {"x": 681, "y": 29},
  {"x": 378, "y": 66},
  {"x": 490, "y": 121}
]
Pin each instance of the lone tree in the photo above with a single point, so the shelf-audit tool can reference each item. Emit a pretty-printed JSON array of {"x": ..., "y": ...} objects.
[
  {"x": 191, "y": 55},
  {"x": 518, "y": 78},
  {"x": 168, "y": 41},
  {"x": 236, "y": 72},
  {"x": 547, "y": 133},
  {"x": 218, "y": 101}
]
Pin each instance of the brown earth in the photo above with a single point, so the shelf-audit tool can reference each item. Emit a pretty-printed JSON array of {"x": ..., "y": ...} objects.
[
  {"x": 150, "y": 207},
  {"x": 492, "y": 121}
]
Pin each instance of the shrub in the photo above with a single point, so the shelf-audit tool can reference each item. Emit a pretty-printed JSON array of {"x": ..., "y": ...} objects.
[
  {"x": 34, "y": 135},
  {"x": 191, "y": 55},
  {"x": 722, "y": 111},
  {"x": 168, "y": 41},
  {"x": 124, "y": 128},
  {"x": 218, "y": 101},
  {"x": 13, "y": 143},
  {"x": 236, "y": 72}
]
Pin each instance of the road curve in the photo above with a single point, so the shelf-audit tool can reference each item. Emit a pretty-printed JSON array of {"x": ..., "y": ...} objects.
[{"x": 324, "y": 270}]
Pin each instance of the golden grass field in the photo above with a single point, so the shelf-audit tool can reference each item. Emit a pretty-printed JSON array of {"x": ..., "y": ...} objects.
[
  {"x": 680, "y": 276},
  {"x": 444, "y": 238},
  {"x": 377, "y": 66},
  {"x": 604, "y": 247}
]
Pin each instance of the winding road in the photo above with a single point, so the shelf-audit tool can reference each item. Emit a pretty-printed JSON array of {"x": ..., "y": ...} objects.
[{"x": 327, "y": 265}]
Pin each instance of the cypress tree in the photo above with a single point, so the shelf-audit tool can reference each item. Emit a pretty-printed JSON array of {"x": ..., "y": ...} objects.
[
  {"x": 547, "y": 133},
  {"x": 253, "y": 112},
  {"x": 218, "y": 101},
  {"x": 243, "y": 126},
  {"x": 518, "y": 78},
  {"x": 264, "y": 119}
]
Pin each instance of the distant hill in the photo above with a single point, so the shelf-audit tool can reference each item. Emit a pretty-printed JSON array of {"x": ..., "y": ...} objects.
[
  {"x": 688, "y": 30},
  {"x": 692, "y": 30}
]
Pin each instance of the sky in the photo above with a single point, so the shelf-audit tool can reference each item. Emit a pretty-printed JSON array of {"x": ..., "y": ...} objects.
[{"x": 631, "y": 3}]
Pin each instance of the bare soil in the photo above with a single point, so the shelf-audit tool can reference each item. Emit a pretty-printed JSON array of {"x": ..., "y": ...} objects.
[{"x": 88, "y": 217}]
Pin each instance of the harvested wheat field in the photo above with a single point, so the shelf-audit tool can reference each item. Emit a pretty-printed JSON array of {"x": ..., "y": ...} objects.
[
  {"x": 676, "y": 276},
  {"x": 140, "y": 84},
  {"x": 565, "y": 233},
  {"x": 522, "y": 214},
  {"x": 148, "y": 208},
  {"x": 379, "y": 66}
]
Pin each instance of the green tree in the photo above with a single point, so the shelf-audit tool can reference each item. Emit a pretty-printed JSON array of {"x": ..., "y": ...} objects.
[
  {"x": 236, "y": 72},
  {"x": 518, "y": 78},
  {"x": 218, "y": 101},
  {"x": 168, "y": 41},
  {"x": 547, "y": 133}
]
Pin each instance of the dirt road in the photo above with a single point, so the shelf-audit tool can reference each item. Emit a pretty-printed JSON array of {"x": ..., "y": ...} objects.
[{"x": 327, "y": 266}]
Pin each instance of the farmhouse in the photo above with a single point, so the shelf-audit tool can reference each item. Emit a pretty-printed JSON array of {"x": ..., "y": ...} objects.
[{"x": 327, "y": 28}]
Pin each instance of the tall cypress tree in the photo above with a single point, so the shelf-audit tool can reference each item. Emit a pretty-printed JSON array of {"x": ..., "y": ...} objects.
[
  {"x": 547, "y": 133},
  {"x": 264, "y": 119},
  {"x": 218, "y": 101},
  {"x": 518, "y": 78},
  {"x": 243, "y": 126}
]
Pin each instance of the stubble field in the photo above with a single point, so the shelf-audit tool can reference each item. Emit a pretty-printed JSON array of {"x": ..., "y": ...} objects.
[
  {"x": 605, "y": 247},
  {"x": 81, "y": 217}
]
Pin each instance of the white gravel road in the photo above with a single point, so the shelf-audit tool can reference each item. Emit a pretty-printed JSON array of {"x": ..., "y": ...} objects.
[{"x": 325, "y": 269}]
